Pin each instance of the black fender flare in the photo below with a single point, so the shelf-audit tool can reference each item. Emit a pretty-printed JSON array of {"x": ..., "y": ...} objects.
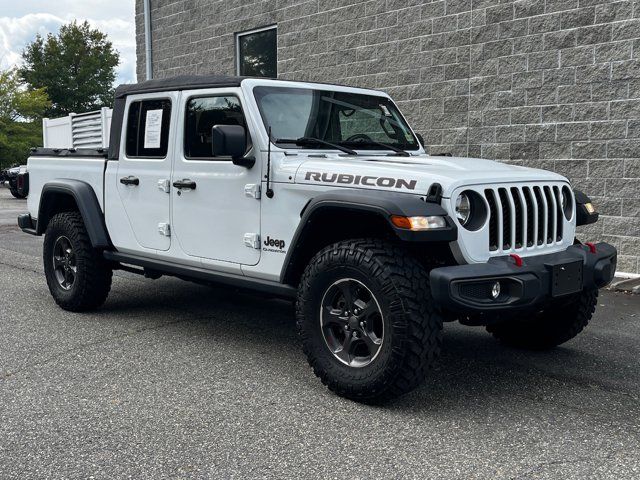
[
  {"x": 88, "y": 206},
  {"x": 583, "y": 217},
  {"x": 384, "y": 204}
]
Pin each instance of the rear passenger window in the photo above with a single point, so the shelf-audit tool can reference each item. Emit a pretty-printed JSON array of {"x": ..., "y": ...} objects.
[
  {"x": 202, "y": 114},
  {"x": 148, "y": 124}
]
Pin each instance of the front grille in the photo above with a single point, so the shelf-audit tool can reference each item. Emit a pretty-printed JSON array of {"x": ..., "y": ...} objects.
[{"x": 524, "y": 217}]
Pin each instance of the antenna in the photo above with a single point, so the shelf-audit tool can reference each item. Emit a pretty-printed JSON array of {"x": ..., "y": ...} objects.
[{"x": 269, "y": 189}]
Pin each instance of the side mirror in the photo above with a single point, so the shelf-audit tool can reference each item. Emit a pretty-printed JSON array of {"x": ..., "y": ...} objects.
[{"x": 231, "y": 141}]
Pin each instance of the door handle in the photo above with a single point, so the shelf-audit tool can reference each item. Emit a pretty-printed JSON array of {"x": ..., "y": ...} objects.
[
  {"x": 130, "y": 180},
  {"x": 185, "y": 183}
]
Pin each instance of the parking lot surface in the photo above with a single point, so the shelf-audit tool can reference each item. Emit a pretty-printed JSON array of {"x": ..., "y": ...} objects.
[{"x": 175, "y": 380}]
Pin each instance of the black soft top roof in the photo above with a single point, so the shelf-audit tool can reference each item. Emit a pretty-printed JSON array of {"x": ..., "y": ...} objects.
[{"x": 180, "y": 82}]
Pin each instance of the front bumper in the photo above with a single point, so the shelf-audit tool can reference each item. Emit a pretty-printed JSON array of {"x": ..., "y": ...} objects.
[{"x": 467, "y": 289}]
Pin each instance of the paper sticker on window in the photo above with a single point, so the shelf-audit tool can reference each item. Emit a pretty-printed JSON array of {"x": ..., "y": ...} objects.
[
  {"x": 385, "y": 110},
  {"x": 152, "y": 129}
]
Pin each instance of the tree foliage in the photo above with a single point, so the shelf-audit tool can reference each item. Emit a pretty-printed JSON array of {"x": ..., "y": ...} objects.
[
  {"x": 21, "y": 113},
  {"x": 76, "y": 66},
  {"x": 259, "y": 54}
]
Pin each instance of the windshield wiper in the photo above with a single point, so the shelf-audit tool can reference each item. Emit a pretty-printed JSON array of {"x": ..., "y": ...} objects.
[
  {"x": 302, "y": 141},
  {"x": 380, "y": 144}
]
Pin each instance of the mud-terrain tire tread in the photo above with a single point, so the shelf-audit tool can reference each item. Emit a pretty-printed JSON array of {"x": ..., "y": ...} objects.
[
  {"x": 95, "y": 282},
  {"x": 551, "y": 328},
  {"x": 16, "y": 194},
  {"x": 402, "y": 277}
]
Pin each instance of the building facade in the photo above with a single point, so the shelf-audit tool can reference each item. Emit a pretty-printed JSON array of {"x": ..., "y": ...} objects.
[{"x": 553, "y": 84}]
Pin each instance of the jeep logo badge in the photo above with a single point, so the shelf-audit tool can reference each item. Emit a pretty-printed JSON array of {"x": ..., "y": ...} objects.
[{"x": 271, "y": 242}]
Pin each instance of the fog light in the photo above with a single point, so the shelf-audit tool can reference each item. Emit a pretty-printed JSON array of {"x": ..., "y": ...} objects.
[{"x": 495, "y": 290}]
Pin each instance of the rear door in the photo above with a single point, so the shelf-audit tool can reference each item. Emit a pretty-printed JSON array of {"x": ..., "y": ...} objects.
[
  {"x": 144, "y": 168},
  {"x": 215, "y": 219}
]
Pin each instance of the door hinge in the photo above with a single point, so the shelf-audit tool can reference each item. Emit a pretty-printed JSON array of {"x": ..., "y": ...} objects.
[
  {"x": 252, "y": 240},
  {"x": 164, "y": 229},
  {"x": 252, "y": 190},
  {"x": 164, "y": 185}
]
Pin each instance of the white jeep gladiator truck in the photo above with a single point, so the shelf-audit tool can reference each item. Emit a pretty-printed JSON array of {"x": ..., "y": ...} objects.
[{"x": 322, "y": 194}]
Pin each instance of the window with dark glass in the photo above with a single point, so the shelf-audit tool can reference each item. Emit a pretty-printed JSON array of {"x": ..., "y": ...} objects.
[
  {"x": 258, "y": 53},
  {"x": 148, "y": 123},
  {"x": 202, "y": 114}
]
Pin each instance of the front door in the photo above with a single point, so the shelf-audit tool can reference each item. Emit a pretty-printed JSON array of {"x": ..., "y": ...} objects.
[
  {"x": 213, "y": 217},
  {"x": 144, "y": 168}
]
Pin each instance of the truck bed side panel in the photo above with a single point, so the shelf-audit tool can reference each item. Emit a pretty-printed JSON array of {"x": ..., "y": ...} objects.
[{"x": 44, "y": 169}]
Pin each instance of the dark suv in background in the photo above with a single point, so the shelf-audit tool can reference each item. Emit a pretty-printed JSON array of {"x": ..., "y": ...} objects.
[{"x": 15, "y": 179}]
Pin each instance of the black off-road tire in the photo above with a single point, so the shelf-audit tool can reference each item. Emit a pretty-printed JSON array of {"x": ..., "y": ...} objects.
[
  {"x": 555, "y": 325},
  {"x": 413, "y": 326},
  {"x": 92, "y": 281},
  {"x": 16, "y": 194}
]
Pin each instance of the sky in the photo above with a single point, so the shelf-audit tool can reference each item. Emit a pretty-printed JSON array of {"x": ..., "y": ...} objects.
[{"x": 21, "y": 20}]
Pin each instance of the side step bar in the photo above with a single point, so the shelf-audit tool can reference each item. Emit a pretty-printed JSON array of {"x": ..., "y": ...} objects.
[{"x": 203, "y": 275}]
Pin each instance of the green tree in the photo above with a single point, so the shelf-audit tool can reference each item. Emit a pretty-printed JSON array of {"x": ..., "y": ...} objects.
[
  {"x": 258, "y": 54},
  {"x": 21, "y": 113},
  {"x": 76, "y": 66}
]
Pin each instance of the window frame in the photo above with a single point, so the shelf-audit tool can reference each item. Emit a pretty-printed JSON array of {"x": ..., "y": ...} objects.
[
  {"x": 225, "y": 158},
  {"x": 251, "y": 32},
  {"x": 126, "y": 127}
]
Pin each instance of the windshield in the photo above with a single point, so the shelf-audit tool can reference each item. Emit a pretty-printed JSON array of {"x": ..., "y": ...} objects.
[{"x": 350, "y": 119}]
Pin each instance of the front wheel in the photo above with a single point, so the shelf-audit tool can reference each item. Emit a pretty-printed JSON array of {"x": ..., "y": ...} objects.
[
  {"x": 367, "y": 321},
  {"x": 558, "y": 323},
  {"x": 78, "y": 277}
]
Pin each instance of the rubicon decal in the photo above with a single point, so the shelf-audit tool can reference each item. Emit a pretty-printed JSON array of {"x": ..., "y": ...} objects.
[{"x": 367, "y": 180}]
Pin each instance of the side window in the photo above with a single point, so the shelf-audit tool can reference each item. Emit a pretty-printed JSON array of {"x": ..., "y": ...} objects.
[
  {"x": 201, "y": 115},
  {"x": 148, "y": 123}
]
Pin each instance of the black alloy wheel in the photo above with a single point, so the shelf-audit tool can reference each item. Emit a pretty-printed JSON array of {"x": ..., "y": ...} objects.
[
  {"x": 351, "y": 322},
  {"x": 65, "y": 267}
]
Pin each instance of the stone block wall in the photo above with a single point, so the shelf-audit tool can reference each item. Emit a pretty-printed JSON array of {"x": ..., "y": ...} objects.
[{"x": 552, "y": 84}]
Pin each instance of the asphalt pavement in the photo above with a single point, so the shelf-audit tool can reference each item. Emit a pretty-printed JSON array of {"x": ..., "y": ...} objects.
[{"x": 175, "y": 380}]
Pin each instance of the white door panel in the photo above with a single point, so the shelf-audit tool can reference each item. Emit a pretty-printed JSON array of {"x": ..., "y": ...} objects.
[
  {"x": 211, "y": 220},
  {"x": 147, "y": 207}
]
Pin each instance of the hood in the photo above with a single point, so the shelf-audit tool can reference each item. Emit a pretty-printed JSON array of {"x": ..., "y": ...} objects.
[{"x": 414, "y": 174}]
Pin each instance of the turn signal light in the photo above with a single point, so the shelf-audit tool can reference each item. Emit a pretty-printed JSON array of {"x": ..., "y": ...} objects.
[
  {"x": 590, "y": 208},
  {"x": 418, "y": 223}
]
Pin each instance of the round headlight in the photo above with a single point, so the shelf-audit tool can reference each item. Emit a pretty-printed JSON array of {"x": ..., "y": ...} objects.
[
  {"x": 463, "y": 208},
  {"x": 567, "y": 202}
]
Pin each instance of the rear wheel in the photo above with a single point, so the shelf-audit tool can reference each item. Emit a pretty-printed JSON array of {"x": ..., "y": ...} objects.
[
  {"x": 367, "y": 321},
  {"x": 77, "y": 275},
  {"x": 555, "y": 325},
  {"x": 16, "y": 194}
]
